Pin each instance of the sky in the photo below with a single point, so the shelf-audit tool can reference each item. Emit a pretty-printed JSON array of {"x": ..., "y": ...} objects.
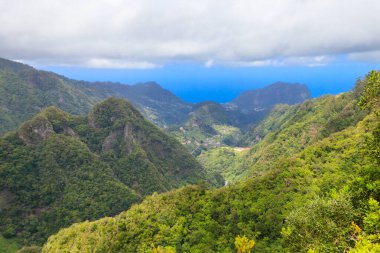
[{"x": 199, "y": 49}]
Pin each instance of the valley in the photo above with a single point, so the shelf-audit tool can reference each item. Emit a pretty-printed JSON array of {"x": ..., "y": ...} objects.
[{"x": 107, "y": 167}]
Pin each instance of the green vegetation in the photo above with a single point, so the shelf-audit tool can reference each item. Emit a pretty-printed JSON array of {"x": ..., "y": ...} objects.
[
  {"x": 209, "y": 125},
  {"x": 286, "y": 131},
  {"x": 309, "y": 182},
  {"x": 24, "y": 91},
  {"x": 229, "y": 162},
  {"x": 58, "y": 169},
  {"x": 8, "y": 245},
  {"x": 243, "y": 244},
  {"x": 313, "y": 185}
]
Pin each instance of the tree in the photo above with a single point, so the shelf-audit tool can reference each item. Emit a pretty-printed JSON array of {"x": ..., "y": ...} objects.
[
  {"x": 160, "y": 249},
  {"x": 370, "y": 99},
  {"x": 243, "y": 244},
  {"x": 371, "y": 91}
]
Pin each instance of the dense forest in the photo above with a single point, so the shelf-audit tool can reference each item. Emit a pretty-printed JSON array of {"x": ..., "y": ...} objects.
[
  {"x": 310, "y": 185},
  {"x": 58, "y": 169},
  {"x": 89, "y": 176}
]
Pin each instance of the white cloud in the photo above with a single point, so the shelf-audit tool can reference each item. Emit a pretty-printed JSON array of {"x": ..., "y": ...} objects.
[
  {"x": 369, "y": 56},
  {"x": 316, "y": 61},
  {"x": 209, "y": 63},
  {"x": 118, "y": 64},
  {"x": 149, "y": 33}
]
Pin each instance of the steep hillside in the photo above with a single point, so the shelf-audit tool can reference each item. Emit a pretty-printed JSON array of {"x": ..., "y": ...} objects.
[
  {"x": 306, "y": 202},
  {"x": 285, "y": 132},
  {"x": 156, "y": 103},
  {"x": 25, "y": 91},
  {"x": 230, "y": 162},
  {"x": 57, "y": 169}
]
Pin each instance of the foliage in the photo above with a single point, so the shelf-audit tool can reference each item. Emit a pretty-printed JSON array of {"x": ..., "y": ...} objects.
[
  {"x": 160, "y": 249},
  {"x": 30, "y": 249},
  {"x": 371, "y": 220},
  {"x": 243, "y": 244},
  {"x": 367, "y": 244},
  {"x": 371, "y": 93},
  {"x": 303, "y": 125},
  {"x": 308, "y": 177},
  {"x": 285, "y": 132},
  {"x": 323, "y": 226},
  {"x": 209, "y": 125},
  {"x": 8, "y": 245},
  {"x": 58, "y": 169},
  {"x": 226, "y": 161},
  {"x": 197, "y": 220}
]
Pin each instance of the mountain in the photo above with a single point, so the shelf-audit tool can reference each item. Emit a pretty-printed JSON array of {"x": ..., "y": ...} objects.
[
  {"x": 211, "y": 124},
  {"x": 157, "y": 104},
  {"x": 267, "y": 97},
  {"x": 58, "y": 169},
  {"x": 25, "y": 91},
  {"x": 313, "y": 187},
  {"x": 208, "y": 125},
  {"x": 285, "y": 131}
]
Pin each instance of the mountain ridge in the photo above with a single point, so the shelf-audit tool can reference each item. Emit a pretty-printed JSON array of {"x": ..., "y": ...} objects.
[
  {"x": 279, "y": 93},
  {"x": 61, "y": 165},
  {"x": 25, "y": 91},
  {"x": 313, "y": 194}
]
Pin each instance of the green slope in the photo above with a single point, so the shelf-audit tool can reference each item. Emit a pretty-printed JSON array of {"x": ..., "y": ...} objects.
[
  {"x": 57, "y": 169},
  {"x": 320, "y": 193},
  {"x": 196, "y": 220},
  {"x": 210, "y": 124},
  {"x": 287, "y": 130}
]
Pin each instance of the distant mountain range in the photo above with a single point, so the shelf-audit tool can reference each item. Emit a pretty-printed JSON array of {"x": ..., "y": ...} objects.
[
  {"x": 25, "y": 91},
  {"x": 267, "y": 97},
  {"x": 211, "y": 124}
]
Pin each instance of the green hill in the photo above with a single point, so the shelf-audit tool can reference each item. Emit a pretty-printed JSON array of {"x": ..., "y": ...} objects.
[
  {"x": 57, "y": 169},
  {"x": 287, "y": 130},
  {"x": 210, "y": 124},
  {"x": 319, "y": 193},
  {"x": 24, "y": 91}
]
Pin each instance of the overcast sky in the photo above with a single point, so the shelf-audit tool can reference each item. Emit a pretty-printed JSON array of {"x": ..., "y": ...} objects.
[
  {"x": 153, "y": 33},
  {"x": 199, "y": 49}
]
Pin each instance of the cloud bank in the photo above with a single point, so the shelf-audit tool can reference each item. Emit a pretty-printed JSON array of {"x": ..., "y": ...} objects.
[{"x": 152, "y": 33}]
